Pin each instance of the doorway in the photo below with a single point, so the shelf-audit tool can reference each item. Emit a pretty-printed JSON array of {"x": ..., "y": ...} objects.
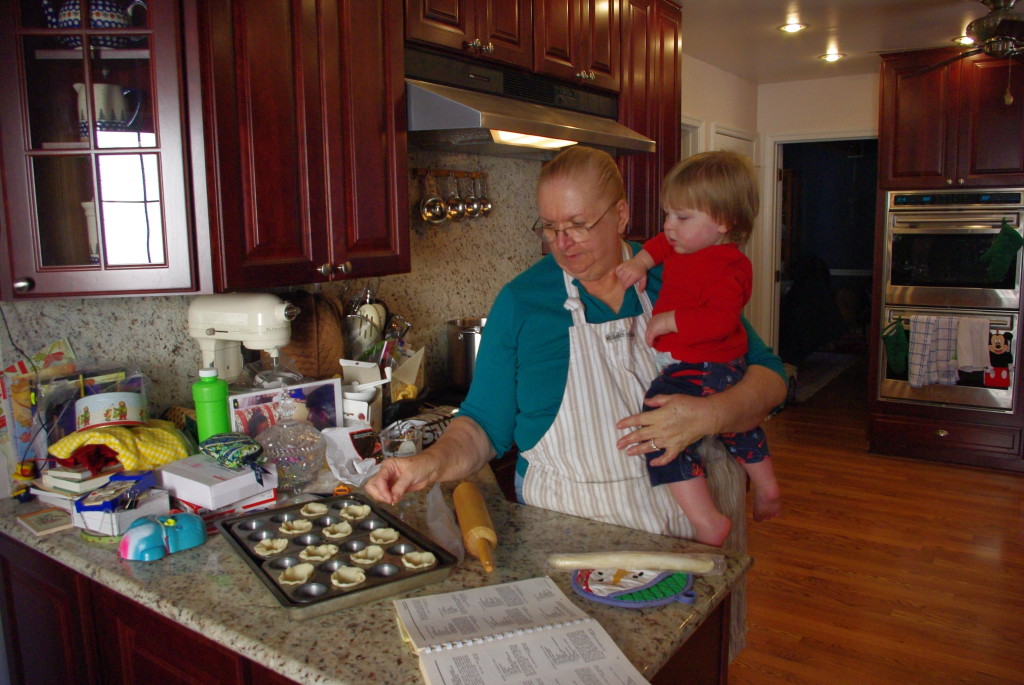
[{"x": 826, "y": 227}]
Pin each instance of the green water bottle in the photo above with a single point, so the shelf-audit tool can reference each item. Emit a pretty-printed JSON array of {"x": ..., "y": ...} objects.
[{"x": 211, "y": 397}]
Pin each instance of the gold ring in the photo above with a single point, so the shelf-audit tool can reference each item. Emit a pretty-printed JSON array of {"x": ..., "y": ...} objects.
[{"x": 653, "y": 446}]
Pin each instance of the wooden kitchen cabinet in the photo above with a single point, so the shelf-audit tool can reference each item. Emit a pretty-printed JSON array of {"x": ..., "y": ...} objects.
[
  {"x": 46, "y": 619},
  {"x": 650, "y": 103},
  {"x": 495, "y": 30},
  {"x": 95, "y": 187},
  {"x": 951, "y": 126},
  {"x": 61, "y": 627},
  {"x": 578, "y": 41},
  {"x": 304, "y": 122}
]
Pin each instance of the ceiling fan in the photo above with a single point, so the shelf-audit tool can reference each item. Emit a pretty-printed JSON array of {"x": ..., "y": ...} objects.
[{"x": 1000, "y": 33}]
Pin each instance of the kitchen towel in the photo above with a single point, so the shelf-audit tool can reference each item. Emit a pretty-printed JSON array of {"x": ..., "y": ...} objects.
[
  {"x": 972, "y": 343},
  {"x": 932, "y": 349},
  {"x": 945, "y": 350}
]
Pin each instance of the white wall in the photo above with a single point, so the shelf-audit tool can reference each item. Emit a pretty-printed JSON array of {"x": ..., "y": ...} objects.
[
  {"x": 716, "y": 96},
  {"x": 845, "y": 103}
]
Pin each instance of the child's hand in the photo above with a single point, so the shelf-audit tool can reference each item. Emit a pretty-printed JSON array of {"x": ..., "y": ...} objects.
[
  {"x": 630, "y": 272},
  {"x": 659, "y": 325}
]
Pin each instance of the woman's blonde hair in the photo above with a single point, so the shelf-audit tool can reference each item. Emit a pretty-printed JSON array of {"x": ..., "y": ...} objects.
[
  {"x": 722, "y": 184},
  {"x": 586, "y": 165}
]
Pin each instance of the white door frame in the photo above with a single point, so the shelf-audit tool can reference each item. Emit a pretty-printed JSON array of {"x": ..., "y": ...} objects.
[{"x": 765, "y": 244}]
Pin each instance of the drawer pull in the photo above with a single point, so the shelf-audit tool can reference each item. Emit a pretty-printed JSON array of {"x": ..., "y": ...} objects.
[{"x": 942, "y": 432}]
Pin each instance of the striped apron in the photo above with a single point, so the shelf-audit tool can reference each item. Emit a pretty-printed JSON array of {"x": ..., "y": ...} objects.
[{"x": 576, "y": 467}]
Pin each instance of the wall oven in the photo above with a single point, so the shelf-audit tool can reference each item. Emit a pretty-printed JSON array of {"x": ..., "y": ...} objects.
[
  {"x": 932, "y": 266},
  {"x": 934, "y": 243}
]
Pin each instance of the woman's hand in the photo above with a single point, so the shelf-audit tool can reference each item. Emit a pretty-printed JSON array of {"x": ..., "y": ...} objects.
[
  {"x": 462, "y": 450},
  {"x": 396, "y": 477},
  {"x": 681, "y": 420},
  {"x": 678, "y": 422}
]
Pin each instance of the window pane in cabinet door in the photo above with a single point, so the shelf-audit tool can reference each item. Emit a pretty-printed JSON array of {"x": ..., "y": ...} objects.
[
  {"x": 66, "y": 232},
  {"x": 51, "y": 75},
  {"x": 130, "y": 212},
  {"x": 119, "y": 111}
]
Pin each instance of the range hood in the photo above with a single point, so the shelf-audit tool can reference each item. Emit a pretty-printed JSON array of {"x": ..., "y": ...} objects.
[{"x": 448, "y": 111}]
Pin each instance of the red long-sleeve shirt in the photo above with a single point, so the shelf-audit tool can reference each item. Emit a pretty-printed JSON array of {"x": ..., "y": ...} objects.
[{"x": 707, "y": 290}]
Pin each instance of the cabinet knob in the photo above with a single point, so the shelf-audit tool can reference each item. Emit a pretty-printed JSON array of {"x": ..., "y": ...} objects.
[
  {"x": 326, "y": 270},
  {"x": 24, "y": 285},
  {"x": 949, "y": 181},
  {"x": 344, "y": 268},
  {"x": 942, "y": 432},
  {"x": 960, "y": 181},
  {"x": 487, "y": 48},
  {"x": 472, "y": 45},
  {"x": 582, "y": 75}
]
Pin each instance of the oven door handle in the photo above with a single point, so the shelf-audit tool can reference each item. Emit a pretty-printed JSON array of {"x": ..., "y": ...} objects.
[{"x": 959, "y": 229}]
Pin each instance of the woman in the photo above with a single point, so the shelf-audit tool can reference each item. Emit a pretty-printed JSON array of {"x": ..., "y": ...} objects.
[{"x": 563, "y": 358}]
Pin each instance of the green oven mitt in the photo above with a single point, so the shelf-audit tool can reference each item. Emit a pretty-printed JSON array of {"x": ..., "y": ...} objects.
[
  {"x": 1000, "y": 256},
  {"x": 897, "y": 345}
]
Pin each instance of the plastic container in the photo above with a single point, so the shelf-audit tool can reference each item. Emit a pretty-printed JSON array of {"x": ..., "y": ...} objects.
[{"x": 211, "y": 397}]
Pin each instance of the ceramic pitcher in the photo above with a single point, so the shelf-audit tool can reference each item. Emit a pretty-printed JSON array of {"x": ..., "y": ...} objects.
[{"x": 111, "y": 104}]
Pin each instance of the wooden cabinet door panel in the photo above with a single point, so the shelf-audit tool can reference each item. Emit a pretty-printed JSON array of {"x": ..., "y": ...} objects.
[
  {"x": 650, "y": 103},
  {"x": 140, "y": 646},
  {"x": 366, "y": 139},
  {"x": 507, "y": 25},
  {"x": 45, "y": 619},
  {"x": 265, "y": 165},
  {"x": 917, "y": 130},
  {"x": 991, "y": 136},
  {"x": 440, "y": 22},
  {"x": 600, "y": 33},
  {"x": 556, "y": 36}
]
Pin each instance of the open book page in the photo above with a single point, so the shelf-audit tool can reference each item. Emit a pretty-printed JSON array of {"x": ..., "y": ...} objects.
[
  {"x": 574, "y": 654},
  {"x": 494, "y": 610}
]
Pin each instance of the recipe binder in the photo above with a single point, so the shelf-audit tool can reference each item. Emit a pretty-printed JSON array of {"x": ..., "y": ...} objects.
[{"x": 525, "y": 631}]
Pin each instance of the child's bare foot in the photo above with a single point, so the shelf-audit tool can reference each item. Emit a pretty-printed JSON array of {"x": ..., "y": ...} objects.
[
  {"x": 767, "y": 501},
  {"x": 714, "y": 531}
]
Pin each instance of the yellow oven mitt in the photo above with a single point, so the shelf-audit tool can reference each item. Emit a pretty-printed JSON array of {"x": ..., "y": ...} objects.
[{"x": 137, "y": 447}]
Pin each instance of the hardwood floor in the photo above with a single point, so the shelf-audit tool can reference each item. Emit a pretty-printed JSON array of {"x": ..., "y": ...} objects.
[{"x": 881, "y": 570}]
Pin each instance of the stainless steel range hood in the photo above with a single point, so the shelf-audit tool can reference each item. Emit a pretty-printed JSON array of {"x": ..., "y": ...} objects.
[{"x": 443, "y": 116}]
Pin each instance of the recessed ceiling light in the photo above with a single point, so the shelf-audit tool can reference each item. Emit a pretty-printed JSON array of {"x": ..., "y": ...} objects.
[
  {"x": 832, "y": 56},
  {"x": 963, "y": 40},
  {"x": 792, "y": 27}
]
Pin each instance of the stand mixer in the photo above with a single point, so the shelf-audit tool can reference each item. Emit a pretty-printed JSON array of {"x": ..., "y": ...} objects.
[{"x": 222, "y": 323}]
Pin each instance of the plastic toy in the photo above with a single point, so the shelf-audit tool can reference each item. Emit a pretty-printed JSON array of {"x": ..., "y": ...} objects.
[{"x": 153, "y": 537}]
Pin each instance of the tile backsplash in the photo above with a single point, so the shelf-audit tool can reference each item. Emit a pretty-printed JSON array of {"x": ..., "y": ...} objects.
[{"x": 457, "y": 270}]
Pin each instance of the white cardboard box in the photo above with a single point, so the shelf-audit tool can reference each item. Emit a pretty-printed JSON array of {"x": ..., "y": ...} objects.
[
  {"x": 258, "y": 502},
  {"x": 199, "y": 479},
  {"x": 153, "y": 501}
]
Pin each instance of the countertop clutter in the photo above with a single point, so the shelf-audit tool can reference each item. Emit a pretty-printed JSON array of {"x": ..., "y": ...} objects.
[{"x": 210, "y": 590}]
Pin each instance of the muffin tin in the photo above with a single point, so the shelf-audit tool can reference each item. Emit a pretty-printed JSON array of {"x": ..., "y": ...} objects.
[{"x": 317, "y": 595}]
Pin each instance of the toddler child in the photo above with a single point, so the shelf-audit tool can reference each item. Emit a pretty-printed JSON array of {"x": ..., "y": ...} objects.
[{"x": 710, "y": 201}]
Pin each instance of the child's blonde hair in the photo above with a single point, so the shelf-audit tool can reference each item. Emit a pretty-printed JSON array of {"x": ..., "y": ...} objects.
[{"x": 722, "y": 184}]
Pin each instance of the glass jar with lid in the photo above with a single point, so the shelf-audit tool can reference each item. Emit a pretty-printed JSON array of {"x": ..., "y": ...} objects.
[{"x": 295, "y": 447}]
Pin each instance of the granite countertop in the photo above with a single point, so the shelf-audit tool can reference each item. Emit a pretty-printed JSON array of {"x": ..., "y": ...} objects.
[{"x": 211, "y": 590}]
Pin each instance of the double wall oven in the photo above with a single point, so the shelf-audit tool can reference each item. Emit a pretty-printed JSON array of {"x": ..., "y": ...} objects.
[{"x": 934, "y": 242}]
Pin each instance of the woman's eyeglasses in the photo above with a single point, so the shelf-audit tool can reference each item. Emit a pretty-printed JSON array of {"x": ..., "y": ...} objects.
[{"x": 578, "y": 233}]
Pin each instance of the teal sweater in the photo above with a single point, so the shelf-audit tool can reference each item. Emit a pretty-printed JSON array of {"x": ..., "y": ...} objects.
[{"x": 523, "y": 361}]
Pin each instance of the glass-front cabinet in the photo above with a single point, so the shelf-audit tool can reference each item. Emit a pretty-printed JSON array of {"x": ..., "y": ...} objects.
[{"x": 95, "y": 195}]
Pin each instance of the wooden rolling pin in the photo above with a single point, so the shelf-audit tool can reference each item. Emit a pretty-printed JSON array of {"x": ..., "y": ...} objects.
[{"x": 475, "y": 522}]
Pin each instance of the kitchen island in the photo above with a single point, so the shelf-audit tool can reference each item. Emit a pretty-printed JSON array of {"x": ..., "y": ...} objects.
[{"x": 210, "y": 591}]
